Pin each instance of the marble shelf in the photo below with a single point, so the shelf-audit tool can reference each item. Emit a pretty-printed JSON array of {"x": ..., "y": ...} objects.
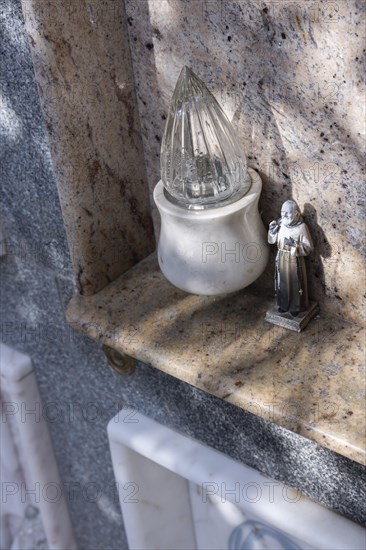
[{"x": 312, "y": 383}]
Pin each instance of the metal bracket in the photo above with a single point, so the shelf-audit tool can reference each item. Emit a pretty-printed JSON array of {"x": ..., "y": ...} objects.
[{"x": 119, "y": 361}]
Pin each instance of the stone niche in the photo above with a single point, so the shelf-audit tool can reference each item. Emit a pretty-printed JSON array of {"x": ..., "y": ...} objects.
[{"x": 288, "y": 75}]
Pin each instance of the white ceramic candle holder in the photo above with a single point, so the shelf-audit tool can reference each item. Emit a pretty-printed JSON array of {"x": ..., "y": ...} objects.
[{"x": 213, "y": 251}]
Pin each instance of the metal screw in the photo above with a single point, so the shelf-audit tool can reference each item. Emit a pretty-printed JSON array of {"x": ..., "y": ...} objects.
[{"x": 119, "y": 361}]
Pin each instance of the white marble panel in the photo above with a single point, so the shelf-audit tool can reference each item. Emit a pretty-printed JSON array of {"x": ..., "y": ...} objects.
[
  {"x": 224, "y": 496},
  {"x": 220, "y": 524},
  {"x": 23, "y": 406}
]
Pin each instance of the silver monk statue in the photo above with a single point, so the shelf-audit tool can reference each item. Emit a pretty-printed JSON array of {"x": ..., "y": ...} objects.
[{"x": 293, "y": 239}]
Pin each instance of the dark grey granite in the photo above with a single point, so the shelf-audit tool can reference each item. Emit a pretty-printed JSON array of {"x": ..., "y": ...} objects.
[
  {"x": 80, "y": 392},
  {"x": 28, "y": 201}
]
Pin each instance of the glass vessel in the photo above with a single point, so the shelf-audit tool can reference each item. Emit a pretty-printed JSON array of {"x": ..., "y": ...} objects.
[{"x": 202, "y": 162}]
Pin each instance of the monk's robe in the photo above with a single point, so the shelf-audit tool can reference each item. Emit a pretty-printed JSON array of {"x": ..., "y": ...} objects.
[{"x": 290, "y": 275}]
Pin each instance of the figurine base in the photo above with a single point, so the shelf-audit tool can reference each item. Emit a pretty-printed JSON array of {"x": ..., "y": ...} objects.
[{"x": 286, "y": 320}]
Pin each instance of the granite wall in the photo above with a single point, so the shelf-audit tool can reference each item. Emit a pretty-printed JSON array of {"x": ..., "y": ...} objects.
[
  {"x": 80, "y": 392},
  {"x": 290, "y": 76}
]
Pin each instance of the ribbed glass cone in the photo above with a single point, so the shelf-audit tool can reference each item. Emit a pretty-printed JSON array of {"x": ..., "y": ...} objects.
[{"x": 202, "y": 162}]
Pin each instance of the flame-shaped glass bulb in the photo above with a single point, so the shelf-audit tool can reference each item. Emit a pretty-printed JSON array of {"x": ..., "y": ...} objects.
[{"x": 202, "y": 162}]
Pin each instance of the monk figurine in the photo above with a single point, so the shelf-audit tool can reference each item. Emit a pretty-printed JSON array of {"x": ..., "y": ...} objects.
[{"x": 292, "y": 237}]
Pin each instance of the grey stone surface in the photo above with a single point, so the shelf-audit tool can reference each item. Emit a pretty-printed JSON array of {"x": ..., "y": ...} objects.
[
  {"x": 80, "y": 392},
  {"x": 29, "y": 202}
]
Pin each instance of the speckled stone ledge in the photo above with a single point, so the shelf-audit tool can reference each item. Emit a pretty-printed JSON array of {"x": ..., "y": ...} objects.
[{"x": 311, "y": 383}]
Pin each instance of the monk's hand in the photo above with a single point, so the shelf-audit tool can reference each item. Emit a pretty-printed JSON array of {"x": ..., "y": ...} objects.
[
  {"x": 290, "y": 241},
  {"x": 273, "y": 226}
]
